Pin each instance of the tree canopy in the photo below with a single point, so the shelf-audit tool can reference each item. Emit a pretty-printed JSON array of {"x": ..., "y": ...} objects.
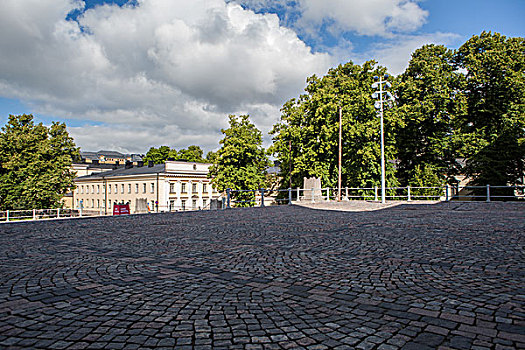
[
  {"x": 241, "y": 162},
  {"x": 160, "y": 155},
  {"x": 450, "y": 105},
  {"x": 35, "y": 163},
  {"x": 429, "y": 101},
  {"x": 494, "y": 123},
  {"x": 307, "y": 134}
]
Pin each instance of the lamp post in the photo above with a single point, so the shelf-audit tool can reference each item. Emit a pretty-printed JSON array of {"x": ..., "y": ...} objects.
[{"x": 380, "y": 82}]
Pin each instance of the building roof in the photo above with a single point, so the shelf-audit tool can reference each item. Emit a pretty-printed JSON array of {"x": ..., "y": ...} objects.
[
  {"x": 109, "y": 154},
  {"x": 167, "y": 167},
  {"x": 143, "y": 170}
]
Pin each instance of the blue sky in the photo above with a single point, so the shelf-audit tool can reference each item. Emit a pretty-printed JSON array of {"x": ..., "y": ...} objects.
[{"x": 130, "y": 75}]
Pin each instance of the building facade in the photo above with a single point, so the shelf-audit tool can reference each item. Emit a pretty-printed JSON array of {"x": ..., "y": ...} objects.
[
  {"x": 171, "y": 186},
  {"x": 109, "y": 157}
]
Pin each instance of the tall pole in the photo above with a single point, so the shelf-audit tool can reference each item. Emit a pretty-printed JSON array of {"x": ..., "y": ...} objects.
[
  {"x": 290, "y": 162},
  {"x": 340, "y": 152},
  {"x": 383, "y": 195}
]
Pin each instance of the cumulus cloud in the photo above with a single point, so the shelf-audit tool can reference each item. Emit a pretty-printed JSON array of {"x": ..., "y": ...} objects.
[
  {"x": 396, "y": 54},
  {"x": 160, "y": 72},
  {"x": 364, "y": 17}
]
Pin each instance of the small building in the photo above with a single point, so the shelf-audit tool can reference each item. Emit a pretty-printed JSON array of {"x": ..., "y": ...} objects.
[
  {"x": 171, "y": 186},
  {"x": 109, "y": 157}
]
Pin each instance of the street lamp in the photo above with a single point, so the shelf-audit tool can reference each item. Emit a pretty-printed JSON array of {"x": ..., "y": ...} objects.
[{"x": 380, "y": 82}]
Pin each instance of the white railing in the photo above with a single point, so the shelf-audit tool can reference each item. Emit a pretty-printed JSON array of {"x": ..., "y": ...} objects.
[
  {"x": 41, "y": 214},
  {"x": 262, "y": 197}
]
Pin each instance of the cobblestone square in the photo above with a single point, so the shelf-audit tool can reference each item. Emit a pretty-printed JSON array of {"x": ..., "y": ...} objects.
[{"x": 448, "y": 276}]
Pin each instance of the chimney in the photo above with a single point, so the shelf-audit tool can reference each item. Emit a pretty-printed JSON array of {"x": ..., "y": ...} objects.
[
  {"x": 150, "y": 163},
  {"x": 140, "y": 163},
  {"x": 128, "y": 164}
]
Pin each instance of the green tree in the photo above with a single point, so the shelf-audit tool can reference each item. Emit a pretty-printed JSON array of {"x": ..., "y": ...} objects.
[
  {"x": 241, "y": 162},
  {"x": 35, "y": 163},
  {"x": 159, "y": 155},
  {"x": 307, "y": 135},
  {"x": 210, "y": 157},
  {"x": 494, "y": 125},
  {"x": 191, "y": 154},
  {"x": 428, "y": 103}
]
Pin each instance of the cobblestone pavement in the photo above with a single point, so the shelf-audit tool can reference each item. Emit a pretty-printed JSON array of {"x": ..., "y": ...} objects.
[{"x": 406, "y": 277}]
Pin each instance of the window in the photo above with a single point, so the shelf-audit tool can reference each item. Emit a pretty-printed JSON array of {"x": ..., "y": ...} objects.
[
  {"x": 109, "y": 188},
  {"x": 152, "y": 187},
  {"x": 172, "y": 187},
  {"x": 92, "y": 188},
  {"x": 136, "y": 188},
  {"x": 92, "y": 203},
  {"x": 204, "y": 188},
  {"x": 122, "y": 188},
  {"x": 129, "y": 188},
  {"x": 172, "y": 205},
  {"x": 98, "y": 188},
  {"x": 194, "y": 204},
  {"x": 116, "y": 189},
  {"x": 98, "y": 203},
  {"x": 194, "y": 188},
  {"x": 82, "y": 189},
  {"x": 143, "y": 188},
  {"x": 87, "y": 189},
  {"x": 183, "y": 189},
  {"x": 183, "y": 204}
]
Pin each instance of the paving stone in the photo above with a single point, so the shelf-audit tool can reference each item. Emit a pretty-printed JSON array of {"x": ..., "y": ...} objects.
[{"x": 410, "y": 276}]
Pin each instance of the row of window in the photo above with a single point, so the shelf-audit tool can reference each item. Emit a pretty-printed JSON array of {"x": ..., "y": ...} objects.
[
  {"x": 92, "y": 203},
  {"x": 97, "y": 188},
  {"x": 184, "y": 205},
  {"x": 184, "y": 188},
  {"x": 97, "y": 203}
]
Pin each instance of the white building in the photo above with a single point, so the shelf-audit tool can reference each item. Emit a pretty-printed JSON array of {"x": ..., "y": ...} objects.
[{"x": 170, "y": 186}]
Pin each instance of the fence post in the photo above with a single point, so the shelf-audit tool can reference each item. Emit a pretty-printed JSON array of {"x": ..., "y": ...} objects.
[
  {"x": 375, "y": 193},
  {"x": 313, "y": 200},
  {"x": 488, "y": 193},
  {"x": 290, "y": 196},
  {"x": 298, "y": 197},
  {"x": 58, "y": 213},
  {"x": 34, "y": 214},
  {"x": 328, "y": 194},
  {"x": 409, "y": 198},
  {"x": 346, "y": 192},
  {"x": 446, "y": 193},
  {"x": 228, "y": 190},
  {"x": 7, "y": 216},
  {"x": 262, "y": 197}
]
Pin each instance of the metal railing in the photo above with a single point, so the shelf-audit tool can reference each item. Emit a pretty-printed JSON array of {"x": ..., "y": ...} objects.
[
  {"x": 263, "y": 197},
  {"x": 41, "y": 214}
]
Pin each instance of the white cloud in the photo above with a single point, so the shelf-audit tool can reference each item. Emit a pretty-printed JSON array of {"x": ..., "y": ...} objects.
[
  {"x": 163, "y": 72},
  {"x": 364, "y": 17},
  {"x": 396, "y": 54}
]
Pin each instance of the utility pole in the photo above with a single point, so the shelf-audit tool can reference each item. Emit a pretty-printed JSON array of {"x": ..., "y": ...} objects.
[
  {"x": 379, "y": 105},
  {"x": 290, "y": 162},
  {"x": 340, "y": 152}
]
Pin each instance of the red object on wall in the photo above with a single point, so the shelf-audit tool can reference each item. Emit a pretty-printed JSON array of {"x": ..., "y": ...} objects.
[{"x": 121, "y": 209}]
